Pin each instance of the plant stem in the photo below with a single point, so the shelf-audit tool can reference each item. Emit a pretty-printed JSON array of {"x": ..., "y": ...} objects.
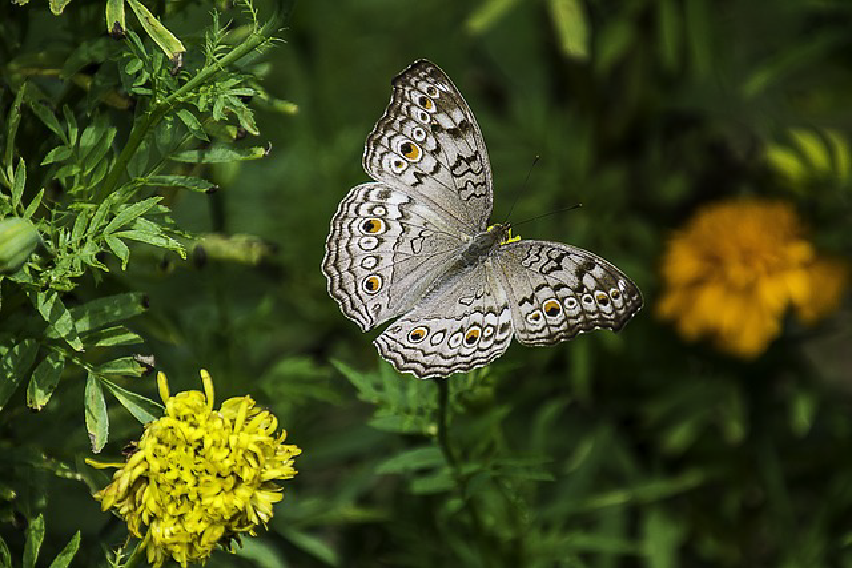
[
  {"x": 159, "y": 110},
  {"x": 460, "y": 479}
]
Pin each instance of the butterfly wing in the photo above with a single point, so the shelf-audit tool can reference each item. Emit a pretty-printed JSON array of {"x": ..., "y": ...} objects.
[
  {"x": 428, "y": 144},
  {"x": 464, "y": 323},
  {"x": 557, "y": 291},
  {"x": 384, "y": 250}
]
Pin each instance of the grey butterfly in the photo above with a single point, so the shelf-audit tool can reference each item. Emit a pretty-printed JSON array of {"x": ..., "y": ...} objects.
[{"x": 416, "y": 243}]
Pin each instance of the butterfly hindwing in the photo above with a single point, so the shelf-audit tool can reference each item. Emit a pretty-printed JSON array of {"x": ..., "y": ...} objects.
[
  {"x": 558, "y": 291},
  {"x": 464, "y": 324},
  {"x": 383, "y": 252},
  {"x": 429, "y": 143}
]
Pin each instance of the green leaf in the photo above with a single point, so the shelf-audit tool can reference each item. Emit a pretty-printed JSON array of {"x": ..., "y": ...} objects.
[
  {"x": 118, "y": 247},
  {"x": 312, "y": 545},
  {"x": 155, "y": 238},
  {"x": 14, "y": 120},
  {"x": 44, "y": 380},
  {"x": 14, "y": 366},
  {"x": 18, "y": 183},
  {"x": 487, "y": 15},
  {"x": 122, "y": 366},
  {"x": 48, "y": 117},
  {"x": 662, "y": 537},
  {"x": 71, "y": 122},
  {"x": 192, "y": 124},
  {"x": 130, "y": 213},
  {"x": 412, "y": 459},
  {"x": 68, "y": 552},
  {"x": 571, "y": 27},
  {"x": 80, "y": 224},
  {"x": 107, "y": 310},
  {"x": 170, "y": 45},
  {"x": 58, "y": 154},
  {"x": 5, "y": 554},
  {"x": 143, "y": 409},
  {"x": 97, "y": 421},
  {"x": 35, "y": 537},
  {"x": 189, "y": 182},
  {"x": 31, "y": 209},
  {"x": 113, "y": 336},
  {"x": 58, "y": 317},
  {"x": 115, "y": 18},
  {"x": 218, "y": 154},
  {"x": 57, "y": 6},
  {"x": 93, "y": 158}
]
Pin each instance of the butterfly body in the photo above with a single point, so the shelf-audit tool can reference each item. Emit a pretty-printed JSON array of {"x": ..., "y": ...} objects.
[{"x": 415, "y": 244}]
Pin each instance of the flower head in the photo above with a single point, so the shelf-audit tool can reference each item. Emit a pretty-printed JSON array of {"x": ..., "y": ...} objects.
[
  {"x": 199, "y": 476},
  {"x": 736, "y": 268}
]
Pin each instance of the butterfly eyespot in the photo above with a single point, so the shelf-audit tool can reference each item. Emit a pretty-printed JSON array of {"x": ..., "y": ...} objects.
[
  {"x": 418, "y": 334},
  {"x": 602, "y": 298},
  {"x": 419, "y": 134},
  {"x": 489, "y": 330},
  {"x": 472, "y": 335},
  {"x": 534, "y": 316},
  {"x": 369, "y": 262},
  {"x": 614, "y": 294},
  {"x": 587, "y": 299},
  {"x": 373, "y": 225},
  {"x": 432, "y": 91},
  {"x": 368, "y": 243},
  {"x": 552, "y": 308},
  {"x": 379, "y": 210},
  {"x": 437, "y": 338},
  {"x": 372, "y": 284},
  {"x": 410, "y": 151},
  {"x": 425, "y": 102}
]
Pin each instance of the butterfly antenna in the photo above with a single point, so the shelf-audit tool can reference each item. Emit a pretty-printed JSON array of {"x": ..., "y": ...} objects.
[
  {"x": 518, "y": 195},
  {"x": 560, "y": 210}
]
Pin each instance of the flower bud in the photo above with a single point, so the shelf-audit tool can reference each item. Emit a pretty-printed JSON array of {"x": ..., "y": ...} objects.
[{"x": 18, "y": 239}]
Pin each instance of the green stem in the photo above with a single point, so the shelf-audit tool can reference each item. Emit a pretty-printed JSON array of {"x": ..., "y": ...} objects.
[
  {"x": 158, "y": 111},
  {"x": 460, "y": 479}
]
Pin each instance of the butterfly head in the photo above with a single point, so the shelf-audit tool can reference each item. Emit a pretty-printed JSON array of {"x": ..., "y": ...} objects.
[{"x": 504, "y": 231}]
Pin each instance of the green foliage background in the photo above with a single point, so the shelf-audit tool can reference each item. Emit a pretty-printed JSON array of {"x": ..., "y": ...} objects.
[{"x": 636, "y": 448}]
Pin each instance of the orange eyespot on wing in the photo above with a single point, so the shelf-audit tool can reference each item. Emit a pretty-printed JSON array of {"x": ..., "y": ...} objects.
[
  {"x": 552, "y": 308},
  {"x": 372, "y": 284},
  {"x": 418, "y": 334},
  {"x": 472, "y": 335},
  {"x": 410, "y": 151},
  {"x": 373, "y": 225}
]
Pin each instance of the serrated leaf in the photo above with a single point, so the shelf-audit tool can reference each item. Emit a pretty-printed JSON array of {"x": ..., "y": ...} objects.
[
  {"x": 58, "y": 318},
  {"x": 48, "y": 117},
  {"x": 157, "y": 239},
  {"x": 44, "y": 380},
  {"x": 99, "y": 150},
  {"x": 97, "y": 421},
  {"x": 31, "y": 209},
  {"x": 107, "y": 310},
  {"x": 35, "y": 537},
  {"x": 189, "y": 182},
  {"x": 58, "y": 154},
  {"x": 118, "y": 247},
  {"x": 113, "y": 336},
  {"x": 569, "y": 18},
  {"x": 122, "y": 366},
  {"x": 192, "y": 124},
  {"x": 80, "y": 224},
  {"x": 412, "y": 459},
  {"x": 170, "y": 45},
  {"x": 143, "y": 409},
  {"x": 14, "y": 120},
  {"x": 14, "y": 366},
  {"x": 71, "y": 123},
  {"x": 217, "y": 154},
  {"x": 130, "y": 213},
  {"x": 19, "y": 183},
  {"x": 64, "y": 558}
]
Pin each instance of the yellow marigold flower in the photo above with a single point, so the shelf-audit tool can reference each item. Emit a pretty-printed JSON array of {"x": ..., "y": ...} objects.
[
  {"x": 735, "y": 269},
  {"x": 199, "y": 477}
]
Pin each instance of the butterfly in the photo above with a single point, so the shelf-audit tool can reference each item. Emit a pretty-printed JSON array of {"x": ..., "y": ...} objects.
[{"x": 416, "y": 243}]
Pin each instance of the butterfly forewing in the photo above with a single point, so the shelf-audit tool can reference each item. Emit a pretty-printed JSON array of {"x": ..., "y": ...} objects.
[
  {"x": 429, "y": 143},
  {"x": 383, "y": 252},
  {"x": 557, "y": 291}
]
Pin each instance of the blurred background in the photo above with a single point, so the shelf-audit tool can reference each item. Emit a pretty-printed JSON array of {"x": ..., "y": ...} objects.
[{"x": 715, "y": 429}]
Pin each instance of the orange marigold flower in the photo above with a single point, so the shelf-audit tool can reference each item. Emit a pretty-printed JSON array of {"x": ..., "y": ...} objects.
[{"x": 735, "y": 269}]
